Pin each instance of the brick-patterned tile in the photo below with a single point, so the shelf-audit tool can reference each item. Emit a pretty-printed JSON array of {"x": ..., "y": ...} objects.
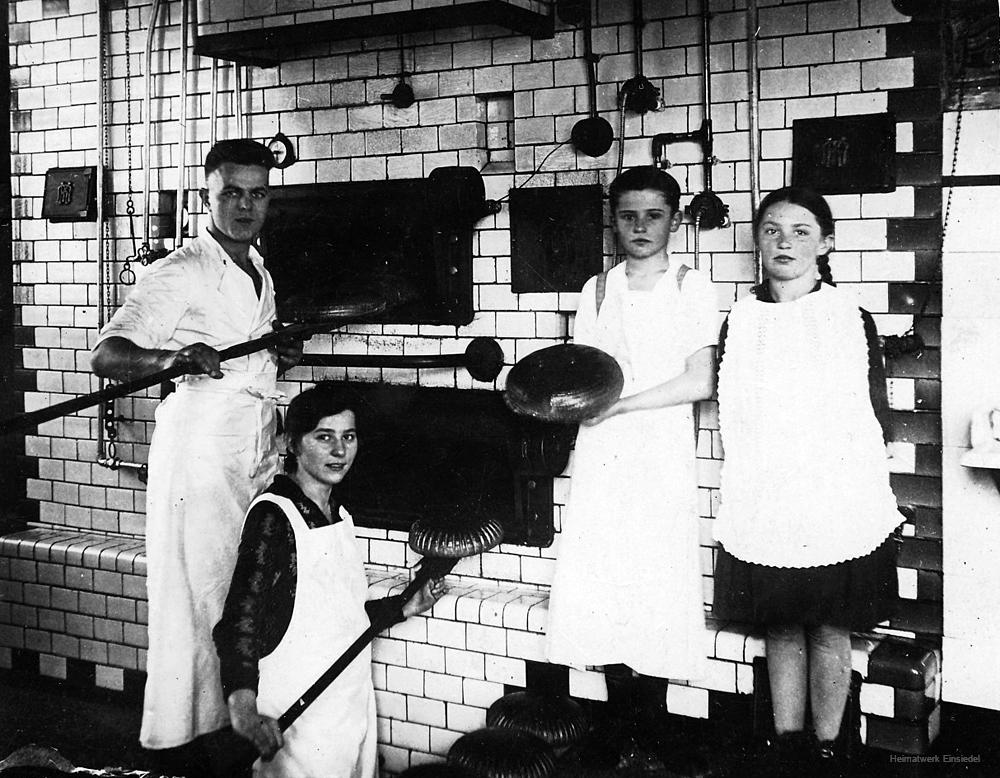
[{"x": 465, "y": 718}]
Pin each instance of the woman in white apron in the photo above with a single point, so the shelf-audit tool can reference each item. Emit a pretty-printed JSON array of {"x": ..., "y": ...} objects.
[
  {"x": 627, "y": 592},
  {"x": 297, "y": 600}
]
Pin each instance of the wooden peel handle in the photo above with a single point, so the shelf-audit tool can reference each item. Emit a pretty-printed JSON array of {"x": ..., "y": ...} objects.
[
  {"x": 429, "y": 568},
  {"x": 232, "y": 755},
  {"x": 30, "y": 420}
]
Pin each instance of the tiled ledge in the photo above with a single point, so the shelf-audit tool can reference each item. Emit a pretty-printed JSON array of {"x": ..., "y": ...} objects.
[
  {"x": 98, "y": 552},
  {"x": 77, "y": 598}
]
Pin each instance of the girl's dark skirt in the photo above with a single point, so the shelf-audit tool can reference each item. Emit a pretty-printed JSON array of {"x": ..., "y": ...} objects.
[{"x": 856, "y": 594}]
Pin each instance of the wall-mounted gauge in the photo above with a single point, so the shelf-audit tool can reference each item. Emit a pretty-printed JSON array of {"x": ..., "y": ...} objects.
[{"x": 281, "y": 148}]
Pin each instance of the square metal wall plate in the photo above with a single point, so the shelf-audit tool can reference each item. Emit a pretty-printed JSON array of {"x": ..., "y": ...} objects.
[
  {"x": 557, "y": 237},
  {"x": 70, "y": 194},
  {"x": 845, "y": 154}
]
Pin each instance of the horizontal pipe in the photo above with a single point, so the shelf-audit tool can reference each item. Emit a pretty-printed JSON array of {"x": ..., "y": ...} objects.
[
  {"x": 375, "y": 360},
  {"x": 114, "y": 463},
  {"x": 483, "y": 358}
]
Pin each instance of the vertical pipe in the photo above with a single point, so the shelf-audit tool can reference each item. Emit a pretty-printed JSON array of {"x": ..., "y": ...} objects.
[
  {"x": 182, "y": 135},
  {"x": 706, "y": 38},
  {"x": 214, "y": 108},
  {"x": 102, "y": 260},
  {"x": 754, "y": 121},
  {"x": 638, "y": 22},
  {"x": 708, "y": 146},
  {"x": 106, "y": 456},
  {"x": 101, "y": 150},
  {"x": 147, "y": 119},
  {"x": 238, "y": 99},
  {"x": 697, "y": 239}
]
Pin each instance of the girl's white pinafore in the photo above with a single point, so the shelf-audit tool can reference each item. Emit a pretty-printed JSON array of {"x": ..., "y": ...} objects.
[
  {"x": 628, "y": 585},
  {"x": 336, "y": 736}
]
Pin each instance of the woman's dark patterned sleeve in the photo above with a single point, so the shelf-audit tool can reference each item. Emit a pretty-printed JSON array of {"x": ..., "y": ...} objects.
[
  {"x": 245, "y": 633},
  {"x": 877, "y": 389},
  {"x": 386, "y": 609}
]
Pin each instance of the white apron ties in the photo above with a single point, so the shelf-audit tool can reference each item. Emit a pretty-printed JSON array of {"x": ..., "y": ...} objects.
[
  {"x": 336, "y": 736},
  {"x": 212, "y": 452}
]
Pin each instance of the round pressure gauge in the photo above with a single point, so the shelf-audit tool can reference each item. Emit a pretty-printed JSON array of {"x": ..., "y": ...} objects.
[{"x": 281, "y": 148}]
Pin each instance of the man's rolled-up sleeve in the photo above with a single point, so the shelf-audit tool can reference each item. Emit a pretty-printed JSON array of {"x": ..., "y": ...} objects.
[{"x": 154, "y": 307}]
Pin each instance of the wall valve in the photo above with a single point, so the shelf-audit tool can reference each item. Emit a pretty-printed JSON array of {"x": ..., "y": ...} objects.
[
  {"x": 708, "y": 211},
  {"x": 639, "y": 95}
]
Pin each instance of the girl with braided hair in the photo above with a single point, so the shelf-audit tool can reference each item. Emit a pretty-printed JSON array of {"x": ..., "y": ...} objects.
[{"x": 807, "y": 515}]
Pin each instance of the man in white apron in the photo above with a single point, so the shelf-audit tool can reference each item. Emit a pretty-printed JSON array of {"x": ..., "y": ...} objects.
[{"x": 213, "y": 447}]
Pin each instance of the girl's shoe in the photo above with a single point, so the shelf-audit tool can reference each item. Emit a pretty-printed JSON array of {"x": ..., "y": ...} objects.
[
  {"x": 786, "y": 756},
  {"x": 830, "y": 763}
]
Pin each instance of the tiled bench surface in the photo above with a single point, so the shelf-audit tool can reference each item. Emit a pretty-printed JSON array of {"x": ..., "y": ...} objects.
[{"x": 74, "y": 596}]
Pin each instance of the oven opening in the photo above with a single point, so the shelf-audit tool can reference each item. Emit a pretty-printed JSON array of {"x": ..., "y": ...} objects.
[
  {"x": 407, "y": 241},
  {"x": 453, "y": 455}
]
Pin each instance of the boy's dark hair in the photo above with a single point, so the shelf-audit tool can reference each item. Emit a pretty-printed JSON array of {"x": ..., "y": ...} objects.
[
  {"x": 307, "y": 409},
  {"x": 646, "y": 177},
  {"x": 240, "y": 151}
]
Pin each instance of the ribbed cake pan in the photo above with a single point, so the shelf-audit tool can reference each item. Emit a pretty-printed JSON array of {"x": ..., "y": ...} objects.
[
  {"x": 452, "y": 539},
  {"x": 564, "y": 383},
  {"x": 495, "y": 752},
  {"x": 557, "y": 719}
]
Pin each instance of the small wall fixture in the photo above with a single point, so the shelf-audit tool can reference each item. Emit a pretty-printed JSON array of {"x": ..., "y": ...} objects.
[
  {"x": 70, "y": 194},
  {"x": 283, "y": 151}
]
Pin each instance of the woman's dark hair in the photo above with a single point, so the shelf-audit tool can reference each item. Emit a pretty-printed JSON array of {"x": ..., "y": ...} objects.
[
  {"x": 307, "y": 409},
  {"x": 813, "y": 202},
  {"x": 645, "y": 177}
]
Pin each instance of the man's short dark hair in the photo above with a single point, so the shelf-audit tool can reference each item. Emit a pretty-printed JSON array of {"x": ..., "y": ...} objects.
[{"x": 240, "y": 151}]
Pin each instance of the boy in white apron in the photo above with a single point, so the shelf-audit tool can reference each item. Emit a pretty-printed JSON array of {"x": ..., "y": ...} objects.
[{"x": 627, "y": 591}]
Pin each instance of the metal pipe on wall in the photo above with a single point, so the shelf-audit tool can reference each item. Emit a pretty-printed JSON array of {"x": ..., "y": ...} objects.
[
  {"x": 706, "y": 50},
  {"x": 238, "y": 99},
  {"x": 101, "y": 155},
  {"x": 102, "y": 260},
  {"x": 106, "y": 455},
  {"x": 147, "y": 119},
  {"x": 753, "y": 70},
  {"x": 182, "y": 135},
  {"x": 214, "y": 108}
]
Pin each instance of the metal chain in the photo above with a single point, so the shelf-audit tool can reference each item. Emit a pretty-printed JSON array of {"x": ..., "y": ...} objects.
[
  {"x": 954, "y": 151},
  {"x": 127, "y": 275},
  {"x": 910, "y": 341},
  {"x": 105, "y": 239}
]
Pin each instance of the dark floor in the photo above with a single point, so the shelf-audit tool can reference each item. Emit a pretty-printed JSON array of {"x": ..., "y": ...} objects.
[
  {"x": 96, "y": 729},
  {"x": 90, "y": 728}
]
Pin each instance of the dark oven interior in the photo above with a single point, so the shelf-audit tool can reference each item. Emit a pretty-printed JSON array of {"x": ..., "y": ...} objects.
[
  {"x": 407, "y": 241},
  {"x": 453, "y": 455}
]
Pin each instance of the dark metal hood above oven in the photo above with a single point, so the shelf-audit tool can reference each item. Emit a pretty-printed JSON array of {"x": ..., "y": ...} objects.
[
  {"x": 269, "y": 39},
  {"x": 407, "y": 241}
]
